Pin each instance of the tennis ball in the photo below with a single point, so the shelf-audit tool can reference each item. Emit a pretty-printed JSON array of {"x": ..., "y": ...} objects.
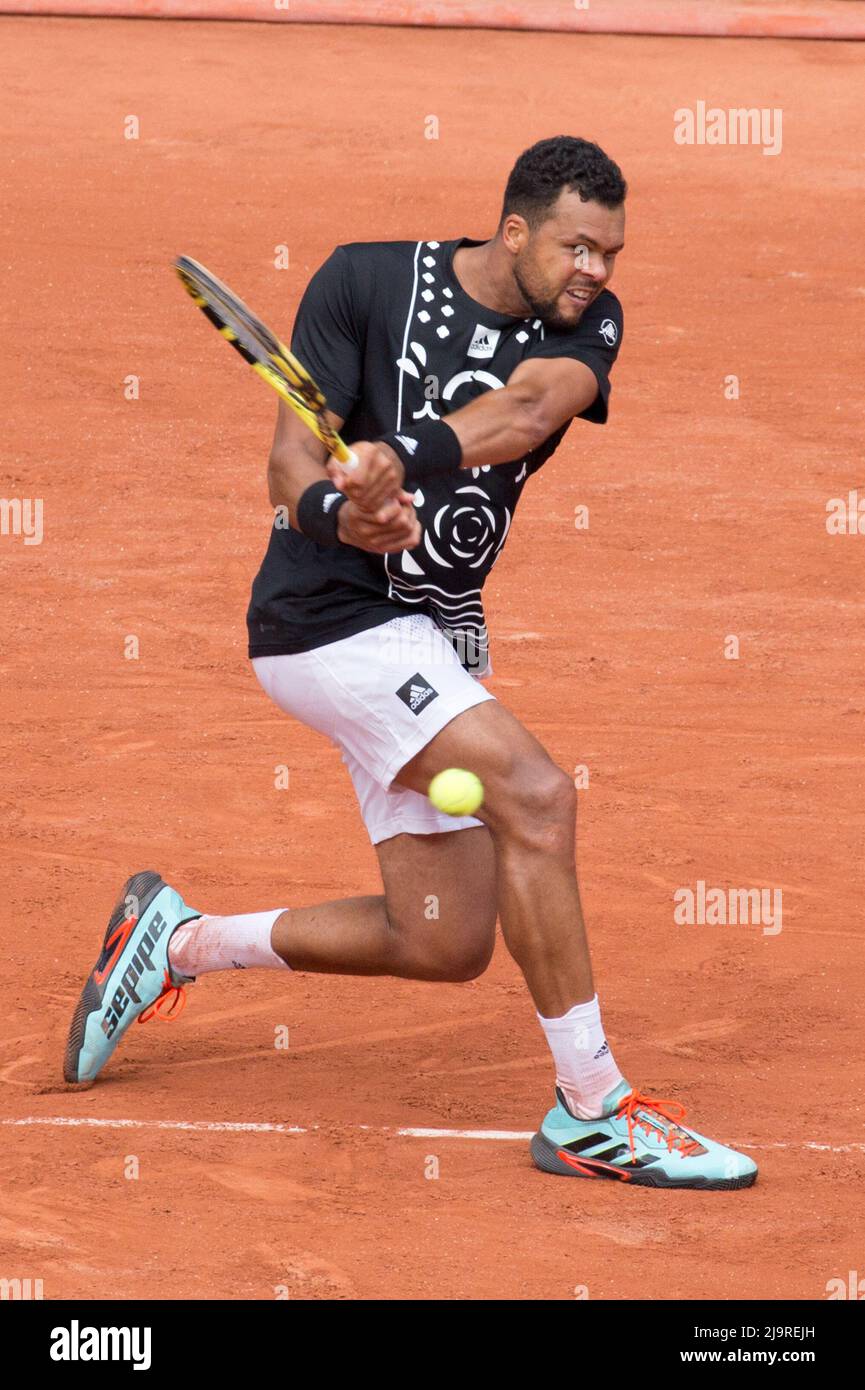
[{"x": 456, "y": 792}]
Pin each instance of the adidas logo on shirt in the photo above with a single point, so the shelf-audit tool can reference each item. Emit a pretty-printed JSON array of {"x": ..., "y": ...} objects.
[
  {"x": 417, "y": 693},
  {"x": 484, "y": 341}
]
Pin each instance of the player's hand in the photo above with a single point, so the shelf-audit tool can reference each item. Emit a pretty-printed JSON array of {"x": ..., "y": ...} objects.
[
  {"x": 399, "y": 531},
  {"x": 378, "y": 477}
]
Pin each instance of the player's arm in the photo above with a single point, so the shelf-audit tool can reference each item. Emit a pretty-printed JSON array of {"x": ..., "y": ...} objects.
[
  {"x": 297, "y": 460},
  {"x": 297, "y": 478},
  {"x": 541, "y": 395}
]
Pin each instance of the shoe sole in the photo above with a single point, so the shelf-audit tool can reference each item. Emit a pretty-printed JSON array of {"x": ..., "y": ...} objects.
[
  {"x": 546, "y": 1157},
  {"x": 144, "y": 887}
]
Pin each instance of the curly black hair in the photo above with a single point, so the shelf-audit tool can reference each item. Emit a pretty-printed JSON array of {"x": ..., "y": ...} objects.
[{"x": 563, "y": 161}]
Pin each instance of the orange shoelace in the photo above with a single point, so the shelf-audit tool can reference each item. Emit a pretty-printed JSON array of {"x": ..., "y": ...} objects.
[
  {"x": 161, "y": 1008},
  {"x": 669, "y": 1110}
]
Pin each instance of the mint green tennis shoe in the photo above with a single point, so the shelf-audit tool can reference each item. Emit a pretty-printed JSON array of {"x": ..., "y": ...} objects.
[
  {"x": 132, "y": 978},
  {"x": 639, "y": 1139}
]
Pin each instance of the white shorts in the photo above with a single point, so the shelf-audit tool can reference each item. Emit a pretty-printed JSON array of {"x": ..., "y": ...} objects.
[{"x": 380, "y": 696}]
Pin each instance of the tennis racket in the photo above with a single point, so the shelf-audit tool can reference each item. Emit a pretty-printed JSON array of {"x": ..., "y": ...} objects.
[{"x": 263, "y": 351}]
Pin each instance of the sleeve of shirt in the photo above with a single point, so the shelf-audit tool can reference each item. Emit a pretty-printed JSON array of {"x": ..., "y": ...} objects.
[
  {"x": 596, "y": 341},
  {"x": 327, "y": 337}
]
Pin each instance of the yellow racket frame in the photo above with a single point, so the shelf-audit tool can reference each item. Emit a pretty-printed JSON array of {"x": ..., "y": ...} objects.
[{"x": 262, "y": 350}]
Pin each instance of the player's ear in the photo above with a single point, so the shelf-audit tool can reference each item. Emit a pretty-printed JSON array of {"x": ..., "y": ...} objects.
[{"x": 515, "y": 232}]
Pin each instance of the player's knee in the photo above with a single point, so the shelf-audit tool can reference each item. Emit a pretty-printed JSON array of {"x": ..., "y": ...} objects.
[
  {"x": 458, "y": 951},
  {"x": 457, "y": 962},
  {"x": 453, "y": 950},
  {"x": 537, "y": 808}
]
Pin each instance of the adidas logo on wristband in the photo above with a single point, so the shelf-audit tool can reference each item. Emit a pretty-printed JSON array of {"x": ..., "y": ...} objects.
[{"x": 432, "y": 450}]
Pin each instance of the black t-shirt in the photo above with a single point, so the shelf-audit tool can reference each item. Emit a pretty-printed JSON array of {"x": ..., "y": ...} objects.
[{"x": 392, "y": 339}]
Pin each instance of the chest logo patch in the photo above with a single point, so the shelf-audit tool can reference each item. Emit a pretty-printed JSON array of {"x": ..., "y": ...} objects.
[{"x": 484, "y": 341}]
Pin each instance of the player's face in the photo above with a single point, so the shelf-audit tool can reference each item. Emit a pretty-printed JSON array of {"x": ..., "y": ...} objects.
[{"x": 563, "y": 264}]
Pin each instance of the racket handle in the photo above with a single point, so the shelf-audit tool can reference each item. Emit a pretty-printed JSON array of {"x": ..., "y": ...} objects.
[{"x": 349, "y": 461}]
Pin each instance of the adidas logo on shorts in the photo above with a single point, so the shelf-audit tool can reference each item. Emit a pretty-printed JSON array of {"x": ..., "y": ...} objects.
[{"x": 417, "y": 693}]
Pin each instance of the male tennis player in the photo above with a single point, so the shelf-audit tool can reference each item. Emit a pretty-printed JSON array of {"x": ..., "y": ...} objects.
[{"x": 453, "y": 369}]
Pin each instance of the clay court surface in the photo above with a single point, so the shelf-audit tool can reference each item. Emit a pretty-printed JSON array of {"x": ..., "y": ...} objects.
[{"x": 707, "y": 519}]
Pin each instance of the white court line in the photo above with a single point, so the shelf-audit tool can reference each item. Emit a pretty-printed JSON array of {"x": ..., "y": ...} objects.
[
  {"x": 495, "y": 1134},
  {"x": 220, "y": 1125},
  {"x": 406, "y": 1132}
]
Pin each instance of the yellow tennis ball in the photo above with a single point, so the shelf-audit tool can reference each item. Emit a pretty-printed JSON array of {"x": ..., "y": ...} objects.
[{"x": 456, "y": 792}]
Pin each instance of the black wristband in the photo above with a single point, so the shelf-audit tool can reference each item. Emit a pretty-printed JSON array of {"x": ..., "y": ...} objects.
[
  {"x": 427, "y": 450},
  {"x": 318, "y": 512}
]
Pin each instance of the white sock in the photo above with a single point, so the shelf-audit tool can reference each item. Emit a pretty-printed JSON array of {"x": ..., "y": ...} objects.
[
  {"x": 225, "y": 943},
  {"x": 585, "y": 1070}
]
